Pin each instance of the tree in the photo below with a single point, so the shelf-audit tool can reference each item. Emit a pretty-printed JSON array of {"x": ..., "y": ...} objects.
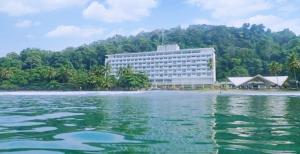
[
  {"x": 108, "y": 82},
  {"x": 128, "y": 79},
  {"x": 238, "y": 71},
  {"x": 100, "y": 77},
  {"x": 12, "y": 60},
  {"x": 5, "y": 74},
  {"x": 80, "y": 80},
  {"x": 294, "y": 65},
  {"x": 101, "y": 70},
  {"x": 64, "y": 74},
  {"x": 275, "y": 68},
  {"x": 19, "y": 78},
  {"x": 50, "y": 73},
  {"x": 32, "y": 62}
]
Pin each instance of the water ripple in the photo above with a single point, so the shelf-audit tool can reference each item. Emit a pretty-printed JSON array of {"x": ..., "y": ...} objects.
[{"x": 68, "y": 141}]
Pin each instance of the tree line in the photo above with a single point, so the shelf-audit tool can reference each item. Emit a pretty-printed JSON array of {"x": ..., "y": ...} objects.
[
  {"x": 64, "y": 78},
  {"x": 244, "y": 51}
]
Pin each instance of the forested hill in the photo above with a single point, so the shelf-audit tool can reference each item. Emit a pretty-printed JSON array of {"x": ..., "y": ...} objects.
[
  {"x": 243, "y": 51},
  {"x": 240, "y": 51}
]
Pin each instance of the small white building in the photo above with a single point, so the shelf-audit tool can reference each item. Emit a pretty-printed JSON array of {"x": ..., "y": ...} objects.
[
  {"x": 170, "y": 65},
  {"x": 258, "y": 81}
]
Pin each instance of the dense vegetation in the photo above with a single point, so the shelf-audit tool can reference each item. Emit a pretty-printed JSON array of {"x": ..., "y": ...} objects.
[
  {"x": 248, "y": 50},
  {"x": 64, "y": 78}
]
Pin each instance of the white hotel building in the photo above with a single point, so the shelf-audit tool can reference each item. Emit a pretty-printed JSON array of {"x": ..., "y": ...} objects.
[{"x": 170, "y": 65}]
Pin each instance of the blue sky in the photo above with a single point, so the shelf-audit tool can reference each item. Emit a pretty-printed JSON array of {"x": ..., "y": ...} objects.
[{"x": 57, "y": 24}]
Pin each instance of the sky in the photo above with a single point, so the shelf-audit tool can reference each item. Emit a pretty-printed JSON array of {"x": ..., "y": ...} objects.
[{"x": 57, "y": 24}]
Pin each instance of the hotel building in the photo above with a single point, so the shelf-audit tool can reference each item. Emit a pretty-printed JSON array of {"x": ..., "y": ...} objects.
[{"x": 170, "y": 65}]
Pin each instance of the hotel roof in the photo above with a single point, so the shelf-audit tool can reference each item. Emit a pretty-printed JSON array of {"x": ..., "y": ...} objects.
[
  {"x": 275, "y": 80},
  {"x": 169, "y": 51}
]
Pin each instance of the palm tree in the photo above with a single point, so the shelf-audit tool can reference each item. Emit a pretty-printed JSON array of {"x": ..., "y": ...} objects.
[
  {"x": 100, "y": 77},
  {"x": 101, "y": 70},
  {"x": 294, "y": 65},
  {"x": 5, "y": 74},
  {"x": 64, "y": 74},
  {"x": 33, "y": 61},
  {"x": 107, "y": 82},
  {"x": 51, "y": 74},
  {"x": 275, "y": 68},
  {"x": 125, "y": 70}
]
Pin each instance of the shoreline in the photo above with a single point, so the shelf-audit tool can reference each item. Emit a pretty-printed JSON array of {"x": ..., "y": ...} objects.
[{"x": 235, "y": 92}]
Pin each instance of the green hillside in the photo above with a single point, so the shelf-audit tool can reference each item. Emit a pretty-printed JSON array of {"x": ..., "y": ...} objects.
[{"x": 248, "y": 50}]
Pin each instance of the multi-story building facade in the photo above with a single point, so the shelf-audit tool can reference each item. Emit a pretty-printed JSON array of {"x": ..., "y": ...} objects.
[{"x": 170, "y": 65}]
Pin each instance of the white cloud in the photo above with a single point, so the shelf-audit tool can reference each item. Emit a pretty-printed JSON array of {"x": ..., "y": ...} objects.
[
  {"x": 271, "y": 21},
  {"x": 237, "y": 12},
  {"x": 119, "y": 10},
  {"x": 74, "y": 31},
  {"x": 24, "y": 7},
  {"x": 225, "y": 9},
  {"x": 26, "y": 24}
]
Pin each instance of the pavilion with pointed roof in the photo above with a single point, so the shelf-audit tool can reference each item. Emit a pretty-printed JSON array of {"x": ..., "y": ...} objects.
[{"x": 258, "y": 81}]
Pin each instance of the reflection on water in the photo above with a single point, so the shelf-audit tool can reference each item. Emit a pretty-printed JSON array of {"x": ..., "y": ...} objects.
[
  {"x": 33, "y": 152},
  {"x": 70, "y": 141},
  {"x": 148, "y": 122},
  {"x": 257, "y": 124}
]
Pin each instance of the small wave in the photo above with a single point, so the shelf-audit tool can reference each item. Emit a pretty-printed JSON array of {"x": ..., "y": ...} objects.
[
  {"x": 67, "y": 93},
  {"x": 261, "y": 93},
  {"x": 18, "y": 120},
  {"x": 33, "y": 151}
]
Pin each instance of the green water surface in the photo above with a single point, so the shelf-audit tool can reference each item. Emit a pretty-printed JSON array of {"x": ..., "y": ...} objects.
[{"x": 149, "y": 122}]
